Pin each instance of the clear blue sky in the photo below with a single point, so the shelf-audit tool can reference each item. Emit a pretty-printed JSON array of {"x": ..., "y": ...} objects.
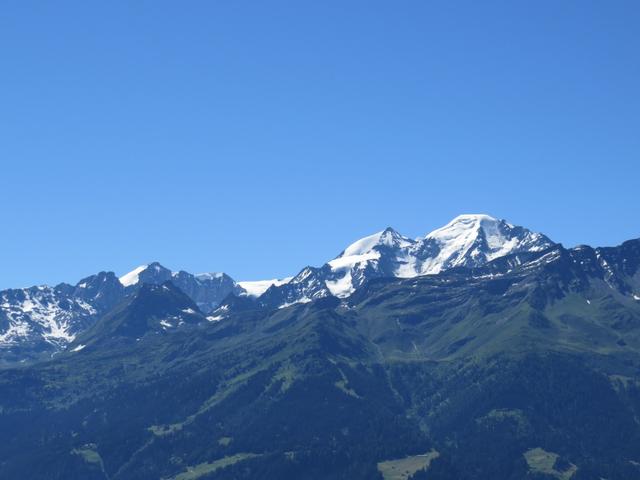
[{"x": 258, "y": 137}]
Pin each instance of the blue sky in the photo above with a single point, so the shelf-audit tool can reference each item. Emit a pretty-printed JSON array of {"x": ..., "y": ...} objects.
[{"x": 258, "y": 137}]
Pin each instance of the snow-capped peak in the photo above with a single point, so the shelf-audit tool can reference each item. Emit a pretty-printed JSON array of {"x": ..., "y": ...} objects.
[
  {"x": 468, "y": 240},
  {"x": 474, "y": 239},
  {"x": 388, "y": 237},
  {"x": 133, "y": 276},
  {"x": 462, "y": 225},
  {"x": 456, "y": 239},
  {"x": 469, "y": 225},
  {"x": 149, "y": 273},
  {"x": 367, "y": 248}
]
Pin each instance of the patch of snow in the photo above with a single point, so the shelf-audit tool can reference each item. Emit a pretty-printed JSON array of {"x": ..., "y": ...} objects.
[
  {"x": 48, "y": 314},
  {"x": 348, "y": 261},
  {"x": 78, "y": 348},
  {"x": 59, "y": 331},
  {"x": 166, "y": 324},
  {"x": 546, "y": 258},
  {"x": 27, "y": 305},
  {"x": 342, "y": 287},
  {"x": 215, "y": 318},
  {"x": 303, "y": 275},
  {"x": 132, "y": 277},
  {"x": 15, "y": 331},
  {"x": 408, "y": 267},
  {"x": 209, "y": 276},
  {"x": 636, "y": 297},
  {"x": 258, "y": 287},
  {"x": 85, "y": 306},
  {"x": 302, "y": 300},
  {"x": 189, "y": 310}
]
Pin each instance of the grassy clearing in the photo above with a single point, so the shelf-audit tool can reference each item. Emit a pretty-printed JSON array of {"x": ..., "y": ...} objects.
[
  {"x": 403, "y": 468},
  {"x": 286, "y": 374},
  {"x": 162, "y": 430},
  {"x": 89, "y": 454},
  {"x": 541, "y": 461},
  {"x": 202, "y": 469},
  {"x": 344, "y": 386}
]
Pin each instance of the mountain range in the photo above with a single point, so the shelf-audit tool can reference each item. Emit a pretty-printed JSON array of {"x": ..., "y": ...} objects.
[
  {"x": 40, "y": 321},
  {"x": 479, "y": 351}
]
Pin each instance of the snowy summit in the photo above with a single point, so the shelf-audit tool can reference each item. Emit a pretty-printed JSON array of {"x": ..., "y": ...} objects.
[{"x": 468, "y": 240}]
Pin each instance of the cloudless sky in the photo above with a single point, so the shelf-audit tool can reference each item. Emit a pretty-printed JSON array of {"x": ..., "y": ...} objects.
[{"x": 259, "y": 137}]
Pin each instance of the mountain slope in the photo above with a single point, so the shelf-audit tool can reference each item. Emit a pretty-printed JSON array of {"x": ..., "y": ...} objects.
[
  {"x": 153, "y": 309},
  {"x": 38, "y": 322}
]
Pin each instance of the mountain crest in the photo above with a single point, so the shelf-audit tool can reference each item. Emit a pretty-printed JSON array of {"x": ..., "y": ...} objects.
[{"x": 469, "y": 240}]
